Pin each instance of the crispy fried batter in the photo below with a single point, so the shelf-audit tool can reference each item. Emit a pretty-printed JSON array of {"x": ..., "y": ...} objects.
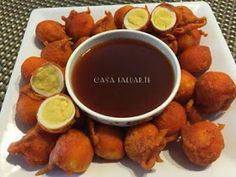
[
  {"x": 28, "y": 91},
  {"x": 105, "y": 24},
  {"x": 50, "y": 31},
  {"x": 79, "y": 41},
  {"x": 202, "y": 142},
  {"x": 162, "y": 141},
  {"x": 26, "y": 109},
  {"x": 186, "y": 88},
  {"x": 172, "y": 119},
  {"x": 189, "y": 39},
  {"x": 187, "y": 21},
  {"x": 30, "y": 65},
  {"x": 196, "y": 59},
  {"x": 73, "y": 153},
  {"x": 27, "y": 105},
  {"x": 192, "y": 112},
  {"x": 57, "y": 52},
  {"x": 170, "y": 40},
  {"x": 214, "y": 92},
  {"x": 35, "y": 146},
  {"x": 79, "y": 24},
  {"x": 141, "y": 144},
  {"x": 107, "y": 140}
]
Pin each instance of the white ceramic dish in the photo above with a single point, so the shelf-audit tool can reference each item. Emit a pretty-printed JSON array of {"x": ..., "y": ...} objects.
[
  {"x": 174, "y": 163},
  {"x": 128, "y": 34}
]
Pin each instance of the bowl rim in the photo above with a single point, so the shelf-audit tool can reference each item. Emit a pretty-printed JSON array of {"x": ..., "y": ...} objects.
[{"x": 140, "y": 117}]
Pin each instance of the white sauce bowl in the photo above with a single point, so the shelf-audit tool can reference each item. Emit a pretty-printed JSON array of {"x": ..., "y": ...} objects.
[{"x": 127, "y": 34}]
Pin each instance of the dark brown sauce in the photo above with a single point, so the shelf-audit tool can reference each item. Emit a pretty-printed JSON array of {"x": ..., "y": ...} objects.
[{"x": 99, "y": 78}]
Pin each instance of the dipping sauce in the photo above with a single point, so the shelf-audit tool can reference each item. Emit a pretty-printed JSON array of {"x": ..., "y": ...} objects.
[{"x": 122, "y": 78}]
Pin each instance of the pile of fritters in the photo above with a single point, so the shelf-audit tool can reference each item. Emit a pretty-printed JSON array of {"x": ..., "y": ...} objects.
[{"x": 200, "y": 93}]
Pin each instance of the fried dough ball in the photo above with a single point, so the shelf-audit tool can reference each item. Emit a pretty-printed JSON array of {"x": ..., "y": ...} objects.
[
  {"x": 192, "y": 112},
  {"x": 162, "y": 141},
  {"x": 186, "y": 88},
  {"x": 26, "y": 109},
  {"x": 57, "y": 52},
  {"x": 189, "y": 39},
  {"x": 29, "y": 66},
  {"x": 187, "y": 21},
  {"x": 196, "y": 59},
  {"x": 27, "y": 105},
  {"x": 184, "y": 15},
  {"x": 28, "y": 91},
  {"x": 79, "y": 41},
  {"x": 170, "y": 40},
  {"x": 202, "y": 142},
  {"x": 141, "y": 144},
  {"x": 105, "y": 24},
  {"x": 78, "y": 24},
  {"x": 173, "y": 118},
  {"x": 35, "y": 146},
  {"x": 73, "y": 153},
  {"x": 107, "y": 141},
  {"x": 50, "y": 31},
  {"x": 120, "y": 14},
  {"x": 214, "y": 92}
]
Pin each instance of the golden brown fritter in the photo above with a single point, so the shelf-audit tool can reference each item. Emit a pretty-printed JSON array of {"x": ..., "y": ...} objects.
[
  {"x": 105, "y": 24},
  {"x": 28, "y": 91},
  {"x": 170, "y": 40},
  {"x": 50, "y": 31},
  {"x": 196, "y": 59},
  {"x": 27, "y": 105},
  {"x": 79, "y": 41},
  {"x": 57, "y": 52},
  {"x": 193, "y": 114},
  {"x": 79, "y": 24},
  {"x": 202, "y": 142},
  {"x": 73, "y": 153},
  {"x": 189, "y": 39},
  {"x": 107, "y": 140},
  {"x": 26, "y": 109},
  {"x": 172, "y": 118},
  {"x": 141, "y": 144},
  {"x": 29, "y": 66},
  {"x": 214, "y": 92},
  {"x": 187, "y": 20},
  {"x": 186, "y": 88},
  {"x": 35, "y": 146}
]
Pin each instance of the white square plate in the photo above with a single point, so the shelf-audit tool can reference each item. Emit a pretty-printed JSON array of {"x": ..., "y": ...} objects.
[{"x": 174, "y": 163}]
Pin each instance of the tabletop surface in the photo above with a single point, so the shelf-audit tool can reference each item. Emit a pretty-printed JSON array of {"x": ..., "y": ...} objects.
[{"x": 14, "y": 15}]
